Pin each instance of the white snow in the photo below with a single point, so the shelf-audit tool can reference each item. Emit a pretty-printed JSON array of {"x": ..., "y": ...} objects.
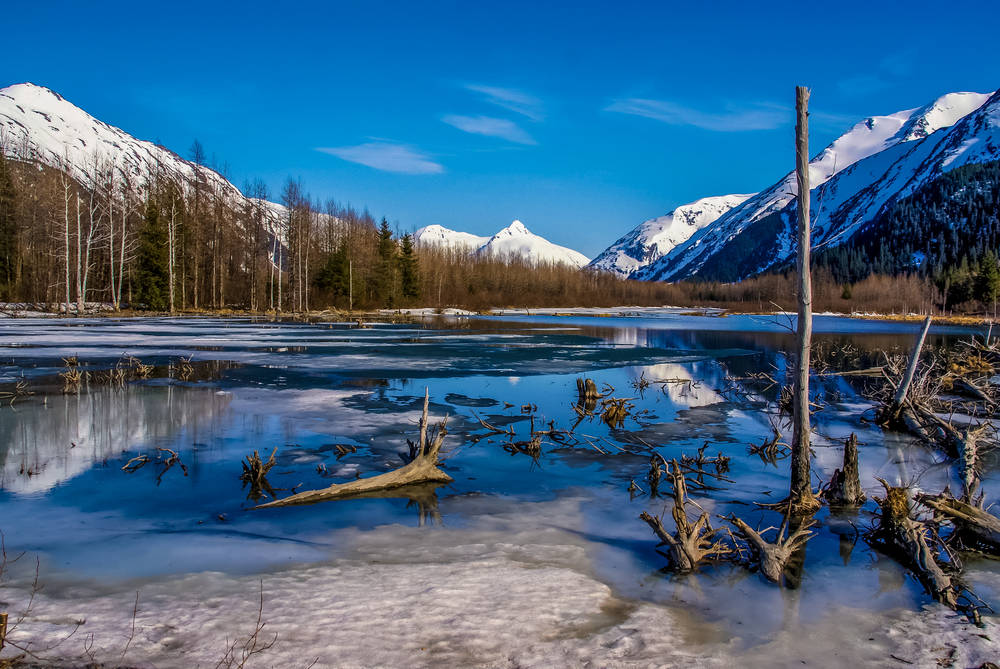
[
  {"x": 517, "y": 240},
  {"x": 500, "y": 596},
  {"x": 857, "y": 195},
  {"x": 513, "y": 241},
  {"x": 438, "y": 235},
  {"x": 39, "y": 124},
  {"x": 656, "y": 237}
]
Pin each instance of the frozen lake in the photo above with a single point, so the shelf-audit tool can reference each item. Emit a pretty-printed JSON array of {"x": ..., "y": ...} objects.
[{"x": 518, "y": 562}]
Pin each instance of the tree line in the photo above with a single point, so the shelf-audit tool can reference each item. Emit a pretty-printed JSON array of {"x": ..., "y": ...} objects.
[{"x": 161, "y": 243}]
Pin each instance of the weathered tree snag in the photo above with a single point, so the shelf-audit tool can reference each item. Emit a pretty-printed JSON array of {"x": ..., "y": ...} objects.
[
  {"x": 693, "y": 543},
  {"x": 844, "y": 488},
  {"x": 422, "y": 469},
  {"x": 908, "y": 540},
  {"x": 773, "y": 558},
  {"x": 800, "y": 498},
  {"x": 976, "y": 527},
  {"x": 587, "y": 389},
  {"x": 893, "y": 413}
]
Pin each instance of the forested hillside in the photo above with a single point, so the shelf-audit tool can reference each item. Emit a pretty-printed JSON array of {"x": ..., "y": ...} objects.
[{"x": 948, "y": 231}]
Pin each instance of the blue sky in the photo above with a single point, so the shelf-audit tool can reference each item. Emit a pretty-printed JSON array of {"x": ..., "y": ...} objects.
[{"x": 581, "y": 119}]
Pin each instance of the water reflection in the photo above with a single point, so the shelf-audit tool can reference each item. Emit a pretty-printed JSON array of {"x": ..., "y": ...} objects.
[{"x": 48, "y": 440}]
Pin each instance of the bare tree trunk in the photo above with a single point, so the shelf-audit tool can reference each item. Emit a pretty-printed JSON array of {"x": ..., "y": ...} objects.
[
  {"x": 911, "y": 369},
  {"x": 121, "y": 255},
  {"x": 111, "y": 236},
  {"x": 79, "y": 244},
  {"x": 800, "y": 493},
  {"x": 66, "y": 188},
  {"x": 170, "y": 251}
]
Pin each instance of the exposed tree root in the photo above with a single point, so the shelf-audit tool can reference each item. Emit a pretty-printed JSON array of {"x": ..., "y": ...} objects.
[
  {"x": 255, "y": 475},
  {"x": 692, "y": 543},
  {"x": 773, "y": 557},
  {"x": 423, "y": 468}
]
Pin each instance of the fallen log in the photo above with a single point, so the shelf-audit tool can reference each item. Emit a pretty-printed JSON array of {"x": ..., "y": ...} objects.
[
  {"x": 422, "y": 469},
  {"x": 974, "y": 526},
  {"x": 909, "y": 540}
]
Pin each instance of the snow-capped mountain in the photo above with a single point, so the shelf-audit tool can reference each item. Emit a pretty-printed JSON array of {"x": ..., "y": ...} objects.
[
  {"x": 517, "y": 240},
  {"x": 653, "y": 239},
  {"x": 859, "y": 194},
  {"x": 757, "y": 234},
  {"x": 514, "y": 240},
  {"x": 438, "y": 235},
  {"x": 39, "y": 124}
]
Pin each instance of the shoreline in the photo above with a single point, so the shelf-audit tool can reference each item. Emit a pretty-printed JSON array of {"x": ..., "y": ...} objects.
[{"x": 19, "y": 311}]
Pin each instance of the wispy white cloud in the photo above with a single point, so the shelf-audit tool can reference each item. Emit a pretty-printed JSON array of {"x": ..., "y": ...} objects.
[
  {"x": 752, "y": 116},
  {"x": 491, "y": 127},
  {"x": 388, "y": 157},
  {"x": 511, "y": 99}
]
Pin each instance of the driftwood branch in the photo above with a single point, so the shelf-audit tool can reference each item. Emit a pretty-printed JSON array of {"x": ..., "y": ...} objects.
[{"x": 422, "y": 469}]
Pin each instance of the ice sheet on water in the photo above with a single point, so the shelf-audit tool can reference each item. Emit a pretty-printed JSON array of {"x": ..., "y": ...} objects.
[{"x": 498, "y": 597}]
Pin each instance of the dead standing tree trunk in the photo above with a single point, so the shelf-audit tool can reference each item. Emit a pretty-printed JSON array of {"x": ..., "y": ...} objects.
[
  {"x": 423, "y": 468},
  {"x": 800, "y": 498}
]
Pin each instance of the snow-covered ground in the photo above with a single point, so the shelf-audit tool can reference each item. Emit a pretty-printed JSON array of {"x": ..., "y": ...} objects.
[{"x": 509, "y": 594}]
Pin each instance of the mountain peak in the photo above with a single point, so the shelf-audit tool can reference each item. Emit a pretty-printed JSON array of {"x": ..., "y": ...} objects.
[
  {"x": 517, "y": 228},
  {"x": 942, "y": 113}
]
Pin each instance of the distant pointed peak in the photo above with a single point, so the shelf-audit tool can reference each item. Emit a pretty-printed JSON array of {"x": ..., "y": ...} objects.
[{"x": 517, "y": 227}]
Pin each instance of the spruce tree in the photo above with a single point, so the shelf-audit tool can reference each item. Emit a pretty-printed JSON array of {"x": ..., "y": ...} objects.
[
  {"x": 151, "y": 272},
  {"x": 334, "y": 274},
  {"x": 988, "y": 280},
  {"x": 409, "y": 274},
  {"x": 385, "y": 273}
]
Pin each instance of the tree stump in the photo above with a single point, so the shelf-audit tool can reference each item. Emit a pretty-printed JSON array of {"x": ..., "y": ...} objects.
[{"x": 844, "y": 488}]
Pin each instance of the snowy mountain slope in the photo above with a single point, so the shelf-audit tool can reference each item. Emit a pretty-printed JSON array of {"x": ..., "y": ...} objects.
[
  {"x": 437, "y": 235},
  {"x": 39, "y": 124},
  {"x": 861, "y": 193},
  {"x": 870, "y": 137},
  {"x": 652, "y": 239},
  {"x": 517, "y": 240}
]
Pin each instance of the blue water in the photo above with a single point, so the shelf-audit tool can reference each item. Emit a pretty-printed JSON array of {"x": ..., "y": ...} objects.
[{"x": 305, "y": 388}]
